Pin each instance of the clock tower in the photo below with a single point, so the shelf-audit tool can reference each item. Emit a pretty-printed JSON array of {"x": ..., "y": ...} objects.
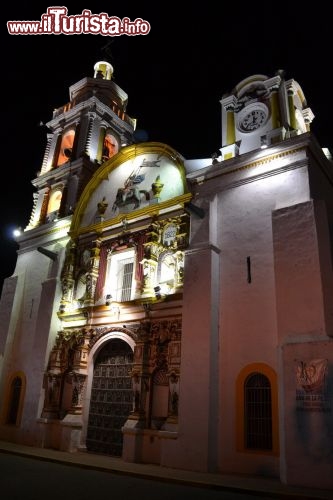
[
  {"x": 84, "y": 133},
  {"x": 262, "y": 111}
]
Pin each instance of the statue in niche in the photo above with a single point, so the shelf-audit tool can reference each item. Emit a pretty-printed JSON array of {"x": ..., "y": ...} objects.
[
  {"x": 157, "y": 187},
  {"x": 102, "y": 206}
]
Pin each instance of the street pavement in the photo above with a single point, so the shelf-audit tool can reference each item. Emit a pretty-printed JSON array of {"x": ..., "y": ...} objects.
[{"x": 251, "y": 486}]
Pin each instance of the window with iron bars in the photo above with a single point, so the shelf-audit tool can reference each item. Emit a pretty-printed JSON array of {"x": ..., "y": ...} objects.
[
  {"x": 124, "y": 281},
  {"x": 119, "y": 282},
  {"x": 258, "y": 412}
]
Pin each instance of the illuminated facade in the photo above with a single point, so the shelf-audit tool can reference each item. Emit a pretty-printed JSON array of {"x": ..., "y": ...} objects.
[{"x": 177, "y": 311}]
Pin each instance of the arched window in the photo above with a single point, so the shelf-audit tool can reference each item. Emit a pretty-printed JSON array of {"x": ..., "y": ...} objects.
[
  {"x": 15, "y": 398},
  {"x": 110, "y": 146},
  {"x": 66, "y": 147},
  {"x": 257, "y": 414},
  {"x": 53, "y": 206}
]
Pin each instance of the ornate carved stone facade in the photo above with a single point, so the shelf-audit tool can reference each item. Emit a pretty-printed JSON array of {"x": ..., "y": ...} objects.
[{"x": 157, "y": 350}]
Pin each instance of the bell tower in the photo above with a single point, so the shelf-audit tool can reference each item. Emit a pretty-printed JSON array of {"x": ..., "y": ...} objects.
[
  {"x": 84, "y": 133},
  {"x": 262, "y": 111}
]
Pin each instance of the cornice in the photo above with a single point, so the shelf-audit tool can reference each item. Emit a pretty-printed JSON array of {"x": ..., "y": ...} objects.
[
  {"x": 273, "y": 83},
  {"x": 145, "y": 212},
  {"x": 61, "y": 173},
  {"x": 90, "y": 82},
  {"x": 202, "y": 247},
  {"x": 101, "y": 109},
  {"x": 50, "y": 233},
  {"x": 289, "y": 147},
  {"x": 229, "y": 102}
]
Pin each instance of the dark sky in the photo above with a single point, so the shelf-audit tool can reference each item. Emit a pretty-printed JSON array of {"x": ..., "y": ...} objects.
[{"x": 175, "y": 77}]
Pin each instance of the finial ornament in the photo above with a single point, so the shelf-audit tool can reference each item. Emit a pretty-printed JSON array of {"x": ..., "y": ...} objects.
[{"x": 104, "y": 70}]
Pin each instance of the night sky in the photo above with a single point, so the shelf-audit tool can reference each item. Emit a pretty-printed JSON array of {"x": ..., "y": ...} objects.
[{"x": 175, "y": 77}]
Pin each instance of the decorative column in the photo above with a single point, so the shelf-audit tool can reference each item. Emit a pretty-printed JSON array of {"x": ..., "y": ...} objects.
[
  {"x": 140, "y": 383},
  {"x": 133, "y": 429},
  {"x": 52, "y": 382},
  {"x": 277, "y": 131},
  {"x": 92, "y": 274},
  {"x": 272, "y": 86},
  {"x": 149, "y": 263},
  {"x": 230, "y": 109},
  {"x": 78, "y": 385},
  {"x": 72, "y": 424},
  {"x": 67, "y": 279},
  {"x": 292, "y": 116},
  {"x": 229, "y": 146},
  {"x": 140, "y": 378},
  {"x": 275, "y": 111},
  {"x": 179, "y": 275},
  {"x": 80, "y": 361},
  {"x": 174, "y": 355}
]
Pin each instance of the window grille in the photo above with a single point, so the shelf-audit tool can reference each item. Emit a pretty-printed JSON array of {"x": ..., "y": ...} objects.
[
  {"x": 258, "y": 412},
  {"x": 127, "y": 281},
  {"x": 120, "y": 276}
]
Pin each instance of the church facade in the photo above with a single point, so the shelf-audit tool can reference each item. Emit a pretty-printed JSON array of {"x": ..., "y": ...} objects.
[{"x": 173, "y": 311}]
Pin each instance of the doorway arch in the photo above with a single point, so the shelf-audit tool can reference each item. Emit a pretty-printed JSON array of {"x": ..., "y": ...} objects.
[{"x": 111, "y": 394}]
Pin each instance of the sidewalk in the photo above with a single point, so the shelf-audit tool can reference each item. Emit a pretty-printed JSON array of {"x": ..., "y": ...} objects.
[{"x": 235, "y": 483}]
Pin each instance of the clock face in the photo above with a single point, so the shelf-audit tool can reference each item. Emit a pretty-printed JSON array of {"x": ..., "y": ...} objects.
[
  {"x": 252, "y": 117},
  {"x": 253, "y": 120}
]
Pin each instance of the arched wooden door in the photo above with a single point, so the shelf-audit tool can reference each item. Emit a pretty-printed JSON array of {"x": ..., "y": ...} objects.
[{"x": 111, "y": 398}]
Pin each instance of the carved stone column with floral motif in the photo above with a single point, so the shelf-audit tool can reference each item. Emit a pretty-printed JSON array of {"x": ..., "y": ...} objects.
[
  {"x": 174, "y": 354},
  {"x": 53, "y": 380},
  {"x": 140, "y": 378},
  {"x": 179, "y": 270},
  {"x": 67, "y": 278},
  {"x": 78, "y": 385},
  {"x": 92, "y": 274},
  {"x": 80, "y": 360}
]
